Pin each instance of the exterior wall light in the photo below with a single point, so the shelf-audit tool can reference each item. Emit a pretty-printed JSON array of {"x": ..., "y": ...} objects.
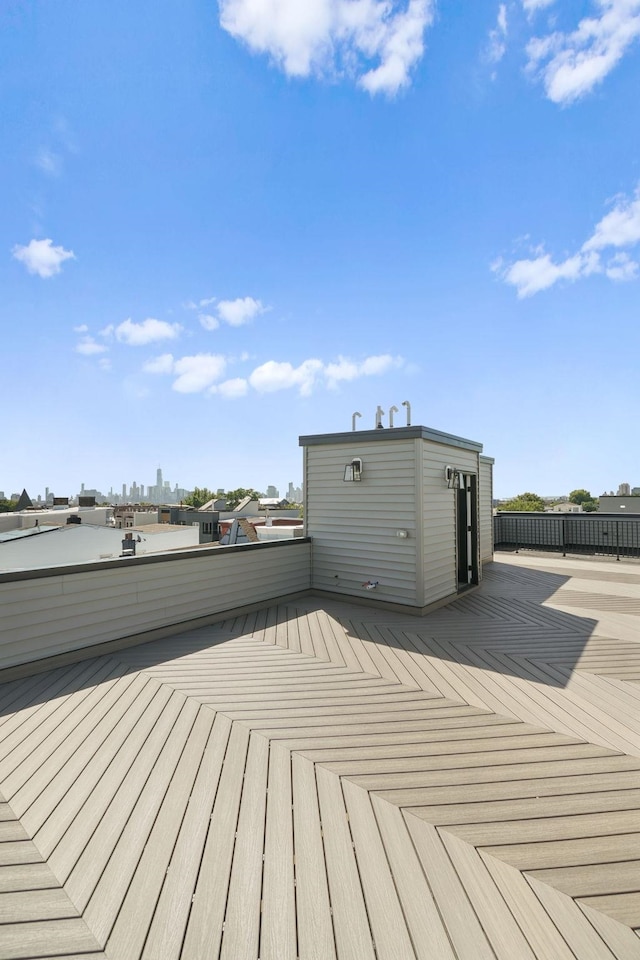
[
  {"x": 353, "y": 471},
  {"x": 402, "y": 534},
  {"x": 452, "y": 477}
]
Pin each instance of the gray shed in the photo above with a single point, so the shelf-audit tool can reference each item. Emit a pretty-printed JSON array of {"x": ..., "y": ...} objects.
[{"x": 398, "y": 515}]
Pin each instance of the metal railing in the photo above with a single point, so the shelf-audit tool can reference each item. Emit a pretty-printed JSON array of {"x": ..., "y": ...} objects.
[{"x": 603, "y": 535}]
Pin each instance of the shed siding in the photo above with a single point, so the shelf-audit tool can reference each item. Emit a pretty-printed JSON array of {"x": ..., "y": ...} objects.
[
  {"x": 354, "y": 525},
  {"x": 485, "y": 509},
  {"x": 439, "y": 517},
  {"x": 43, "y": 616}
]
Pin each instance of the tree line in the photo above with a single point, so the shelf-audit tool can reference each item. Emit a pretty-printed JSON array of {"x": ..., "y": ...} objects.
[{"x": 533, "y": 503}]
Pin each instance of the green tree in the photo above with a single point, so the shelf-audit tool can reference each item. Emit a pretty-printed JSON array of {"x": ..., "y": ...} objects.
[
  {"x": 579, "y": 496},
  {"x": 198, "y": 497},
  {"x": 233, "y": 497},
  {"x": 7, "y": 506},
  {"x": 528, "y": 502},
  {"x": 583, "y": 497}
]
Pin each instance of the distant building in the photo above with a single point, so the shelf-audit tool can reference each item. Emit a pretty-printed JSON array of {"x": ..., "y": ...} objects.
[
  {"x": 206, "y": 520},
  {"x": 25, "y": 519},
  {"x": 273, "y": 503},
  {"x": 565, "y": 507},
  {"x": 86, "y": 543},
  {"x": 626, "y": 505},
  {"x": 294, "y": 494},
  {"x": 624, "y": 490},
  {"x": 272, "y": 492}
]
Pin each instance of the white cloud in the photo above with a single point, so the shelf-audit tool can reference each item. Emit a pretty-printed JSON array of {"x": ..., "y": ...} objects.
[
  {"x": 344, "y": 369},
  {"x": 238, "y": 312},
  {"x": 202, "y": 372},
  {"x": 149, "y": 331},
  {"x": 341, "y": 369},
  {"x": 373, "y": 366},
  {"x": 230, "y": 389},
  {"x": 540, "y": 273},
  {"x": 272, "y": 376},
  {"x": 621, "y": 267},
  {"x": 88, "y": 347},
  {"x": 198, "y": 372},
  {"x": 377, "y": 41},
  {"x": 41, "y": 257},
  {"x": 161, "y": 364},
  {"x": 497, "y": 46},
  {"x": 571, "y": 64},
  {"x": 531, "y": 6},
  {"x": 104, "y": 363},
  {"x": 83, "y": 328},
  {"x": 618, "y": 228},
  {"x": 49, "y": 162},
  {"x": 208, "y": 322}
]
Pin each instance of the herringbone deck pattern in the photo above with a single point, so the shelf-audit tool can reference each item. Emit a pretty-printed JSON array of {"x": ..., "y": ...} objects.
[{"x": 335, "y": 781}]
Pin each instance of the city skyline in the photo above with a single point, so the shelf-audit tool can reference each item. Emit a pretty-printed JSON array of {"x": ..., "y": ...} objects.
[
  {"x": 223, "y": 229},
  {"x": 133, "y": 491}
]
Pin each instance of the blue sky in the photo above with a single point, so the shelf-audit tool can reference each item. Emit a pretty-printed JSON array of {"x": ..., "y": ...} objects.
[{"x": 226, "y": 225}]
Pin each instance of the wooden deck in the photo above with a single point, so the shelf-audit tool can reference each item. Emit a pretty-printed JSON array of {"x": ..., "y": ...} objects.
[{"x": 328, "y": 781}]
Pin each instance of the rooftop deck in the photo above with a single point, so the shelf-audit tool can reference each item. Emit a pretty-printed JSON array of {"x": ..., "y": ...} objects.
[{"x": 330, "y": 781}]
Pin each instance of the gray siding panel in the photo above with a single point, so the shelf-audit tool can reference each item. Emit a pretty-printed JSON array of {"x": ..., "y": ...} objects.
[
  {"x": 354, "y": 525},
  {"x": 43, "y": 616},
  {"x": 439, "y": 511},
  {"x": 485, "y": 507}
]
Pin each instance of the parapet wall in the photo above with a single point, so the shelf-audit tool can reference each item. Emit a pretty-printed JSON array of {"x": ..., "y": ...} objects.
[{"x": 54, "y": 611}]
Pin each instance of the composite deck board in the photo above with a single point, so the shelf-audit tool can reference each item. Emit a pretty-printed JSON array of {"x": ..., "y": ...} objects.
[
  {"x": 580, "y": 935},
  {"x": 278, "y": 937},
  {"x": 539, "y": 930},
  {"x": 129, "y": 932},
  {"x": 465, "y": 929},
  {"x": 167, "y": 928},
  {"x": 493, "y": 811},
  {"x": 426, "y": 927},
  {"x": 28, "y": 876},
  {"x": 624, "y": 907},
  {"x": 33, "y": 724},
  {"x": 206, "y": 918},
  {"x": 587, "y": 851},
  {"x": 48, "y": 938},
  {"x": 572, "y": 712},
  {"x": 535, "y": 791},
  {"x": 76, "y": 750},
  {"x": 543, "y": 760},
  {"x": 316, "y": 939},
  {"x": 86, "y": 798},
  {"x": 241, "y": 935},
  {"x": 51, "y": 903},
  {"x": 573, "y": 827},
  {"x": 620, "y": 939},
  {"x": 323, "y": 780},
  {"x": 87, "y": 846},
  {"x": 49, "y": 811},
  {"x": 107, "y": 898},
  {"x": 499, "y": 924},
  {"x": 388, "y": 925},
  {"x": 350, "y": 916}
]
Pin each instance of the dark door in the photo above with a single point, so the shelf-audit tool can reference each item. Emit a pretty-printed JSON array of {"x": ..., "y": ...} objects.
[{"x": 467, "y": 530}]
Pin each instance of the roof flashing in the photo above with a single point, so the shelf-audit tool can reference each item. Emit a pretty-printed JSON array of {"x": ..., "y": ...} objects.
[{"x": 389, "y": 433}]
